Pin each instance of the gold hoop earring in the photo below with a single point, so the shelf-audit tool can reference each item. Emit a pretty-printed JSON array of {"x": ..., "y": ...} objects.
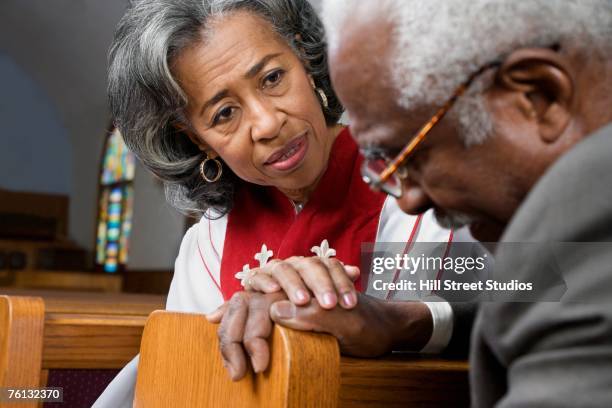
[
  {"x": 323, "y": 97},
  {"x": 219, "y": 169}
]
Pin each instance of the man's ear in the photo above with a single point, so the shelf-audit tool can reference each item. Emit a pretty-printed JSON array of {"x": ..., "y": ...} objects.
[{"x": 545, "y": 81}]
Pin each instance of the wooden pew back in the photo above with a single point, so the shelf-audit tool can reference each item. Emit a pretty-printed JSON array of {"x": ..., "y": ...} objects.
[
  {"x": 91, "y": 330},
  {"x": 47, "y": 330},
  {"x": 21, "y": 334},
  {"x": 180, "y": 365}
]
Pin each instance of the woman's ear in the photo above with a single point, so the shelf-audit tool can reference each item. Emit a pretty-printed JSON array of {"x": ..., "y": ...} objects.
[
  {"x": 544, "y": 80},
  {"x": 187, "y": 131}
]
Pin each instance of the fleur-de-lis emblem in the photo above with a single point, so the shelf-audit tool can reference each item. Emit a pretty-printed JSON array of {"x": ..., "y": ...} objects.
[
  {"x": 323, "y": 251},
  {"x": 263, "y": 255},
  {"x": 245, "y": 275}
]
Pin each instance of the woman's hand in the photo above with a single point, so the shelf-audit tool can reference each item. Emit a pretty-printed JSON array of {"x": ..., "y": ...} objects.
[
  {"x": 328, "y": 279},
  {"x": 298, "y": 276}
]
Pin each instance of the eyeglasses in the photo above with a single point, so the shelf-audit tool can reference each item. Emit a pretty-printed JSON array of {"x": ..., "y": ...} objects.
[{"x": 386, "y": 175}]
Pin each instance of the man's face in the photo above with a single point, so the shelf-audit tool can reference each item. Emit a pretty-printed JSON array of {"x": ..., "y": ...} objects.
[{"x": 480, "y": 184}]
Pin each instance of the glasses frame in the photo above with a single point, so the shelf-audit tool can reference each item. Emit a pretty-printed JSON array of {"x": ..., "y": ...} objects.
[{"x": 403, "y": 155}]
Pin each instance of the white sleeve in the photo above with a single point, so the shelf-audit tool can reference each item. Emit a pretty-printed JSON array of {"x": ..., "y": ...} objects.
[
  {"x": 395, "y": 226},
  {"x": 442, "y": 318},
  {"x": 192, "y": 289},
  {"x": 196, "y": 283},
  {"x": 120, "y": 392}
]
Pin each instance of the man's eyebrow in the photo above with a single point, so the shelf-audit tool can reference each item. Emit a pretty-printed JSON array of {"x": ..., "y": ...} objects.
[{"x": 254, "y": 70}]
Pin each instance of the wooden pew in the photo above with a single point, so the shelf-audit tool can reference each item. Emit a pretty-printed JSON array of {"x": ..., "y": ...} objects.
[
  {"x": 65, "y": 280},
  {"x": 46, "y": 330},
  {"x": 21, "y": 335},
  {"x": 92, "y": 330},
  {"x": 180, "y": 365}
]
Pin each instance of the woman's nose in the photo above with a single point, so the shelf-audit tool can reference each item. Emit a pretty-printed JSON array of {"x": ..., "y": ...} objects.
[
  {"x": 268, "y": 120},
  {"x": 414, "y": 200}
]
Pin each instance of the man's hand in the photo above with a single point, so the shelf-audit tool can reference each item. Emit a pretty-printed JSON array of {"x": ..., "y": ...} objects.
[
  {"x": 372, "y": 328},
  {"x": 244, "y": 331}
]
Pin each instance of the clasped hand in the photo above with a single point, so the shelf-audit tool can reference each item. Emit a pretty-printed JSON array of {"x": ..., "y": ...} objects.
[{"x": 283, "y": 292}]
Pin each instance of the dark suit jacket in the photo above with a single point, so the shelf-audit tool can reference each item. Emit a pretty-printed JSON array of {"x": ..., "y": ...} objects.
[{"x": 555, "y": 354}]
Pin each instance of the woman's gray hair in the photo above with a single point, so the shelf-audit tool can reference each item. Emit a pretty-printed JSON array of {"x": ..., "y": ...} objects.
[{"x": 147, "y": 103}]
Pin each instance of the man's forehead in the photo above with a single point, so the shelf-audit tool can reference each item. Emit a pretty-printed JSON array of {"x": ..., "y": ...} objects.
[
  {"x": 359, "y": 62},
  {"x": 368, "y": 38}
]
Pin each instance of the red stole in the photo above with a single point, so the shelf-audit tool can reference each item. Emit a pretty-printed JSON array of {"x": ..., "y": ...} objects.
[{"x": 342, "y": 210}]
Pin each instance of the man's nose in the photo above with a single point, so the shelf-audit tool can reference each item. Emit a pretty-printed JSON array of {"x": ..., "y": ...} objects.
[
  {"x": 414, "y": 200},
  {"x": 267, "y": 120}
]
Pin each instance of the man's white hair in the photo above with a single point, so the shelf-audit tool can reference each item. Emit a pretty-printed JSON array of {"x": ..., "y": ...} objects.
[{"x": 439, "y": 43}]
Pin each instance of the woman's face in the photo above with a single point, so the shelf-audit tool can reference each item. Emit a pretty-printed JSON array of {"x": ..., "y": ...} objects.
[{"x": 251, "y": 102}]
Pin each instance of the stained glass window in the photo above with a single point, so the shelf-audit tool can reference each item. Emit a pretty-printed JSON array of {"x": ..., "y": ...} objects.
[{"x": 116, "y": 197}]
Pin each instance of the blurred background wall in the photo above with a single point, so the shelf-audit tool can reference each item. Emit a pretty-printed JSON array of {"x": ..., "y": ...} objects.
[{"x": 54, "y": 116}]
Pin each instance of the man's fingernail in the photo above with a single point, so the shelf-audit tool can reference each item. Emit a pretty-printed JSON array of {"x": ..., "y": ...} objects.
[
  {"x": 349, "y": 299},
  {"x": 284, "y": 310},
  {"x": 229, "y": 369},
  {"x": 274, "y": 287},
  {"x": 256, "y": 366},
  {"x": 232, "y": 373},
  {"x": 301, "y": 295},
  {"x": 329, "y": 299}
]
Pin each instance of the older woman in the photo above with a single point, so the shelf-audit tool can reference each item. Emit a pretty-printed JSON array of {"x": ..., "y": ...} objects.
[{"x": 229, "y": 102}]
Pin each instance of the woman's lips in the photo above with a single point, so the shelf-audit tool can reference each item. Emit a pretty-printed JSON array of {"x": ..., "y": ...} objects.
[{"x": 290, "y": 156}]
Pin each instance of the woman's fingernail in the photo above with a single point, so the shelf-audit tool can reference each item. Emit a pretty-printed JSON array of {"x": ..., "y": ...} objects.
[
  {"x": 284, "y": 310},
  {"x": 349, "y": 299},
  {"x": 353, "y": 269},
  {"x": 329, "y": 299},
  {"x": 213, "y": 317},
  {"x": 301, "y": 295}
]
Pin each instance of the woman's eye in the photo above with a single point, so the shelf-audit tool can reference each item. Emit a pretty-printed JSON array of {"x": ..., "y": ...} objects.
[
  {"x": 273, "y": 78},
  {"x": 223, "y": 115}
]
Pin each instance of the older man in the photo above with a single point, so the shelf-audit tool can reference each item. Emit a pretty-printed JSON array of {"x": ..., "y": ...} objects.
[{"x": 524, "y": 154}]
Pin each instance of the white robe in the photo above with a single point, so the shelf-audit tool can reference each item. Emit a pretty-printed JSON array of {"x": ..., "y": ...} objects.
[{"x": 193, "y": 289}]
